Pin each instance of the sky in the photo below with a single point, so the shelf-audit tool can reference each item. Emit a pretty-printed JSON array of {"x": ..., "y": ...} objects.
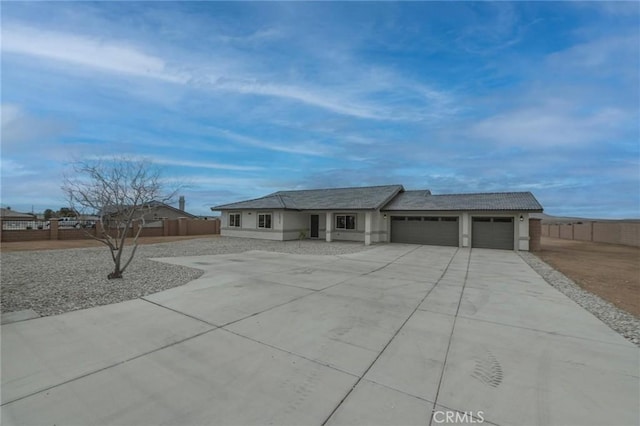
[{"x": 237, "y": 100}]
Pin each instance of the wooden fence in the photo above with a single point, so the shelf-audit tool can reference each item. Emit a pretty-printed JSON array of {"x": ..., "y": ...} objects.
[{"x": 161, "y": 228}]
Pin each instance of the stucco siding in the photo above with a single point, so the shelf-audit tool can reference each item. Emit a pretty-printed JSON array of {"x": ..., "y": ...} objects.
[{"x": 251, "y": 233}]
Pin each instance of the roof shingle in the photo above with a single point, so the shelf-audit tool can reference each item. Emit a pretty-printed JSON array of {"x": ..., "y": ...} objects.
[
  {"x": 357, "y": 198},
  {"x": 419, "y": 200}
]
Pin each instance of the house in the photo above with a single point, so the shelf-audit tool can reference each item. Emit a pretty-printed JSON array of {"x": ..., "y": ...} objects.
[
  {"x": 152, "y": 211},
  {"x": 378, "y": 214},
  {"x": 8, "y": 214}
]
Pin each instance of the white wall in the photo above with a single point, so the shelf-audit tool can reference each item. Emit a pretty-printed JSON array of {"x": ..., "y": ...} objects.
[
  {"x": 522, "y": 231},
  {"x": 249, "y": 225},
  {"x": 348, "y": 234}
]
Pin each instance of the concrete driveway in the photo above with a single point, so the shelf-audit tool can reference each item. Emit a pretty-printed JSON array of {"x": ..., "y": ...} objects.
[{"x": 400, "y": 334}]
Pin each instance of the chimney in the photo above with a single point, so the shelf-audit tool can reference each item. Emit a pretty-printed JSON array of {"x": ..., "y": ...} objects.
[{"x": 181, "y": 202}]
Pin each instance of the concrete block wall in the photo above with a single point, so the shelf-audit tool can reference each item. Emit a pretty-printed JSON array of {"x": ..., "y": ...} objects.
[
  {"x": 615, "y": 232},
  {"x": 169, "y": 227}
]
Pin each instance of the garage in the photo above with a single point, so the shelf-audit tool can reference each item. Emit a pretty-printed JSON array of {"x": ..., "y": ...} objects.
[
  {"x": 430, "y": 230},
  {"x": 492, "y": 232}
]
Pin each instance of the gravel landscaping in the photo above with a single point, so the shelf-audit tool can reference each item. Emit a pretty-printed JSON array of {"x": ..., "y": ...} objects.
[
  {"x": 622, "y": 322},
  {"x": 55, "y": 281}
]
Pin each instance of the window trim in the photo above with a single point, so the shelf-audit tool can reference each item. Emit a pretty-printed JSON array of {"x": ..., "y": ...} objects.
[
  {"x": 346, "y": 221},
  {"x": 265, "y": 215},
  {"x": 235, "y": 223}
]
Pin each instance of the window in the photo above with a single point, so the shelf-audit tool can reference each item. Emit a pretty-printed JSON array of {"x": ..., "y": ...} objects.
[
  {"x": 414, "y": 219},
  {"x": 503, "y": 219},
  {"x": 346, "y": 221},
  {"x": 234, "y": 220},
  {"x": 264, "y": 220}
]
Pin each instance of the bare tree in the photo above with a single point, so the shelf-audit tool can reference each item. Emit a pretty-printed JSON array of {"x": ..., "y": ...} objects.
[{"x": 120, "y": 191}]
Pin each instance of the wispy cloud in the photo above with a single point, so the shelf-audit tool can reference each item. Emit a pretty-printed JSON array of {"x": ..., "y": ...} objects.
[
  {"x": 550, "y": 126},
  {"x": 125, "y": 58},
  {"x": 294, "y": 147},
  {"x": 20, "y": 129},
  {"x": 89, "y": 52},
  {"x": 176, "y": 162},
  {"x": 202, "y": 164}
]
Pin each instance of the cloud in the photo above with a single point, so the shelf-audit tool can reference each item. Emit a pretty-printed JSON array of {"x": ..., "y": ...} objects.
[
  {"x": 550, "y": 125},
  {"x": 597, "y": 55},
  {"x": 370, "y": 95},
  {"x": 20, "y": 129},
  {"x": 202, "y": 164},
  {"x": 11, "y": 168},
  {"x": 89, "y": 52},
  {"x": 292, "y": 148},
  {"x": 164, "y": 161}
]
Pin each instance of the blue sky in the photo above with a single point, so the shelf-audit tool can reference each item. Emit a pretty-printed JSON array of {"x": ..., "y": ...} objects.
[{"x": 242, "y": 99}]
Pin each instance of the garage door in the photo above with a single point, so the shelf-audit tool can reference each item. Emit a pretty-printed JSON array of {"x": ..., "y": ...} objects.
[
  {"x": 439, "y": 231},
  {"x": 492, "y": 232}
]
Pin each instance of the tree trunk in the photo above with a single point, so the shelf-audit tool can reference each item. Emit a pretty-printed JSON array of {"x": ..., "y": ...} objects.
[{"x": 117, "y": 272}]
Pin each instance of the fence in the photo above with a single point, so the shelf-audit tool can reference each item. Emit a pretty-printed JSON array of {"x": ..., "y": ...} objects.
[
  {"x": 623, "y": 233},
  {"x": 36, "y": 231}
]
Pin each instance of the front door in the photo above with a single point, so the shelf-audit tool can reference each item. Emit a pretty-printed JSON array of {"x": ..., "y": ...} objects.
[{"x": 315, "y": 225}]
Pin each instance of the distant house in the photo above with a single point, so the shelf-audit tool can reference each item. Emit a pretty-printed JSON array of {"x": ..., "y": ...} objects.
[
  {"x": 8, "y": 214},
  {"x": 152, "y": 212},
  {"x": 388, "y": 213}
]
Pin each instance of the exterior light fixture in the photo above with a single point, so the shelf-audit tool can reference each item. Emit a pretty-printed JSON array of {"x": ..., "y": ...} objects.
[
  {"x": 521, "y": 218},
  {"x": 384, "y": 216}
]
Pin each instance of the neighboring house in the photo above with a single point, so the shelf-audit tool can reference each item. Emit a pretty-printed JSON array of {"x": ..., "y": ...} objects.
[
  {"x": 8, "y": 214},
  {"x": 13, "y": 220},
  {"x": 385, "y": 214},
  {"x": 153, "y": 211}
]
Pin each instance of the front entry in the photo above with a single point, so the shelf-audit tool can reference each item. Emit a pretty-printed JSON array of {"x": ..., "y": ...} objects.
[{"x": 315, "y": 226}]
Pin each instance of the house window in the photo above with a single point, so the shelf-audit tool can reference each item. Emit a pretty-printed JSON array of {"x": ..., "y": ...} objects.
[
  {"x": 346, "y": 221},
  {"x": 264, "y": 220},
  {"x": 234, "y": 220}
]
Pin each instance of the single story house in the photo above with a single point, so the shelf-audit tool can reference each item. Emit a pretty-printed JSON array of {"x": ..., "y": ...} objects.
[
  {"x": 152, "y": 211},
  {"x": 8, "y": 214},
  {"x": 377, "y": 214}
]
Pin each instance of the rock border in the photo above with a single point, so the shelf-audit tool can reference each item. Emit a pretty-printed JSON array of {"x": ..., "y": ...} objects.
[{"x": 622, "y": 322}]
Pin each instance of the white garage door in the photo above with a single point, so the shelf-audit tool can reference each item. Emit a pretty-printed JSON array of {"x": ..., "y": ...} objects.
[
  {"x": 439, "y": 231},
  {"x": 492, "y": 232}
]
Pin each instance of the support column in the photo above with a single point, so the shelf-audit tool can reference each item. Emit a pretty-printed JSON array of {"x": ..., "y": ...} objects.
[
  {"x": 329, "y": 226},
  {"x": 367, "y": 229},
  {"x": 523, "y": 231},
  {"x": 53, "y": 229},
  {"x": 182, "y": 226},
  {"x": 466, "y": 222}
]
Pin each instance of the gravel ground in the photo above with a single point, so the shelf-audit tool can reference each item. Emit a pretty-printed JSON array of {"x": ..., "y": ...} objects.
[
  {"x": 55, "y": 281},
  {"x": 618, "y": 320}
]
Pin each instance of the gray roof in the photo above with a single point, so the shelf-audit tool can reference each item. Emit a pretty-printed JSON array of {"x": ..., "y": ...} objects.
[
  {"x": 153, "y": 204},
  {"x": 356, "y": 198},
  {"x": 421, "y": 200},
  {"x": 12, "y": 214}
]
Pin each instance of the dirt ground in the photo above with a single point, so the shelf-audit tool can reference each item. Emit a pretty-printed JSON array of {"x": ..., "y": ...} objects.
[
  {"x": 610, "y": 271},
  {"x": 65, "y": 244}
]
